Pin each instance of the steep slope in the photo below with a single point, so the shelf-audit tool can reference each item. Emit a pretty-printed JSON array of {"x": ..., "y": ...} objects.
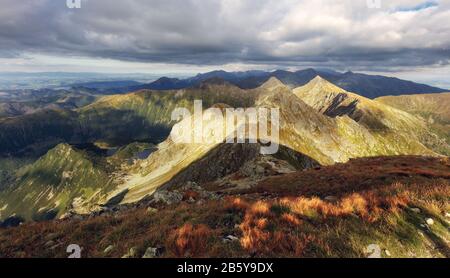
[
  {"x": 333, "y": 101},
  {"x": 433, "y": 108},
  {"x": 36, "y": 133},
  {"x": 61, "y": 180},
  {"x": 116, "y": 120},
  {"x": 323, "y": 139},
  {"x": 307, "y": 136}
]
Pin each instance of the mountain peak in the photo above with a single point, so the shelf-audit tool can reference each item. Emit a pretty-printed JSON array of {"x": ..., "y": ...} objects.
[
  {"x": 272, "y": 84},
  {"x": 320, "y": 84}
]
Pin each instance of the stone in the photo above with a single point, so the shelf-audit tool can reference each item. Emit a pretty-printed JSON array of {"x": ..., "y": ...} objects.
[
  {"x": 49, "y": 244},
  {"x": 150, "y": 253},
  {"x": 387, "y": 253},
  {"x": 151, "y": 210},
  {"x": 447, "y": 215},
  {"x": 168, "y": 197},
  {"x": 108, "y": 249},
  {"x": 331, "y": 199},
  {"x": 416, "y": 210},
  {"x": 259, "y": 170},
  {"x": 430, "y": 221},
  {"x": 51, "y": 236},
  {"x": 131, "y": 254},
  {"x": 230, "y": 238},
  {"x": 65, "y": 216}
]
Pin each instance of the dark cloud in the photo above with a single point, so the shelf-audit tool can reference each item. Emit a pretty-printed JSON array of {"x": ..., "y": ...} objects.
[{"x": 213, "y": 32}]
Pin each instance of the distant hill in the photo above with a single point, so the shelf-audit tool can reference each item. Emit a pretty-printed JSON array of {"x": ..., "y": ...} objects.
[
  {"x": 107, "y": 84},
  {"x": 370, "y": 86}
]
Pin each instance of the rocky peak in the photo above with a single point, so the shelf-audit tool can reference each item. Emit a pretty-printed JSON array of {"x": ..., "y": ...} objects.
[{"x": 272, "y": 84}]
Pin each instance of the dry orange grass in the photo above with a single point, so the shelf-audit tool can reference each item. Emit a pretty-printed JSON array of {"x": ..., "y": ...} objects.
[
  {"x": 368, "y": 205},
  {"x": 267, "y": 231},
  {"x": 189, "y": 240}
]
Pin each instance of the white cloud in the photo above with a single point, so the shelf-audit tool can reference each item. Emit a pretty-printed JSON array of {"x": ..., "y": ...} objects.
[{"x": 188, "y": 34}]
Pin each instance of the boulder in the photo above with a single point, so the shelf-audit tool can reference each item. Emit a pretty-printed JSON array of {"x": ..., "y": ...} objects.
[
  {"x": 152, "y": 252},
  {"x": 131, "y": 254},
  {"x": 230, "y": 238},
  {"x": 416, "y": 210},
  {"x": 12, "y": 221},
  {"x": 168, "y": 197},
  {"x": 430, "y": 221},
  {"x": 151, "y": 210},
  {"x": 108, "y": 249},
  {"x": 331, "y": 199}
]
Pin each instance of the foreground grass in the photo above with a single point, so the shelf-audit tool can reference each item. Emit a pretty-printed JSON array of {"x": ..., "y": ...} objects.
[{"x": 269, "y": 222}]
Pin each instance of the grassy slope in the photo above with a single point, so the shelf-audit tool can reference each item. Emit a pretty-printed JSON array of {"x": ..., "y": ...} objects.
[
  {"x": 304, "y": 130},
  {"x": 433, "y": 108},
  {"x": 326, "y": 140},
  {"x": 380, "y": 119},
  {"x": 117, "y": 120},
  {"x": 52, "y": 183},
  {"x": 282, "y": 217}
]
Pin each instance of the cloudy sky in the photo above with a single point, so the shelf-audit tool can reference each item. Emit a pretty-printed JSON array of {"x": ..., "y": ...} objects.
[{"x": 404, "y": 38}]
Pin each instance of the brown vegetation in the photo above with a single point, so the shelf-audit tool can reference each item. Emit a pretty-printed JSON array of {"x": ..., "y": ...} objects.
[{"x": 360, "y": 203}]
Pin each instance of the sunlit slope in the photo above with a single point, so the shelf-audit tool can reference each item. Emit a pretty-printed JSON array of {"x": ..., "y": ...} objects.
[
  {"x": 434, "y": 109},
  {"x": 64, "y": 179},
  {"x": 68, "y": 179},
  {"x": 302, "y": 129},
  {"x": 116, "y": 120},
  {"x": 377, "y": 117}
]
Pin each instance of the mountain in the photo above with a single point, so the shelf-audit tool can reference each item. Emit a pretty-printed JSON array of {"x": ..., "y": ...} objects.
[
  {"x": 308, "y": 137},
  {"x": 22, "y": 102},
  {"x": 432, "y": 108},
  {"x": 370, "y": 86},
  {"x": 116, "y": 120},
  {"x": 304, "y": 131},
  {"x": 62, "y": 178},
  {"x": 105, "y": 85},
  {"x": 385, "y": 120}
]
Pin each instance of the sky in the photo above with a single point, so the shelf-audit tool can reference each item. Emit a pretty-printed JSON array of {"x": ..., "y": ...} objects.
[{"x": 405, "y": 38}]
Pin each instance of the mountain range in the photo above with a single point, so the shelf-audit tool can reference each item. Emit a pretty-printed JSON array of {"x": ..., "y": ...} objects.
[
  {"x": 370, "y": 86},
  {"x": 83, "y": 155},
  {"x": 320, "y": 124}
]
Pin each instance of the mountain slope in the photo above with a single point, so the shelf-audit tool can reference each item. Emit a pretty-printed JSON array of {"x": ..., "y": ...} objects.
[
  {"x": 61, "y": 180},
  {"x": 306, "y": 135},
  {"x": 433, "y": 108},
  {"x": 334, "y": 211},
  {"x": 302, "y": 129},
  {"x": 116, "y": 120},
  {"x": 333, "y": 101}
]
